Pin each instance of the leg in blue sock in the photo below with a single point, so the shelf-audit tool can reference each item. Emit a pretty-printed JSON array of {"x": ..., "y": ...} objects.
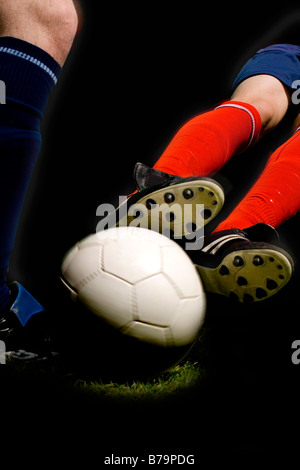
[
  {"x": 30, "y": 63},
  {"x": 18, "y": 152},
  {"x": 20, "y": 137}
]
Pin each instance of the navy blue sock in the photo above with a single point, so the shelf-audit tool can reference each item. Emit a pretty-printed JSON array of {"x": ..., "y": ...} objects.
[{"x": 29, "y": 74}]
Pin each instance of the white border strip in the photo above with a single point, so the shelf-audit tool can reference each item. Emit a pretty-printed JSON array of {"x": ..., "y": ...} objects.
[
  {"x": 29, "y": 58},
  {"x": 214, "y": 246},
  {"x": 229, "y": 105}
]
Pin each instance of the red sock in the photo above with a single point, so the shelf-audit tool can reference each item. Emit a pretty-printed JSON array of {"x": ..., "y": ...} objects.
[
  {"x": 205, "y": 143},
  {"x": 275, "y": 197}
]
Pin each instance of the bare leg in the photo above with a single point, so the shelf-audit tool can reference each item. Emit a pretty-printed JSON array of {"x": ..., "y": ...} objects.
[
  {"x": 268, "y": 95},
  {"x": 50, "y": 25}
]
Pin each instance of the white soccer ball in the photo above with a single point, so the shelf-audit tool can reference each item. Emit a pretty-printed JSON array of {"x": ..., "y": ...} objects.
[{"x": 138, "y": 281}]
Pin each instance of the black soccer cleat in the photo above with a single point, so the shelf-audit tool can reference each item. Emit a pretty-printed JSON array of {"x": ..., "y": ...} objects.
[
  {"x": 238, "y": 264},
  {"x": 168, "y": 204}
]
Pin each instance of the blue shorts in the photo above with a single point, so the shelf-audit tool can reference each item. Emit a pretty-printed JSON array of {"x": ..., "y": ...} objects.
[{"x": 279, "y": 60}]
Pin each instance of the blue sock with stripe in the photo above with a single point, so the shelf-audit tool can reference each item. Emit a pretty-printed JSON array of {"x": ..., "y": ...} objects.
[{"x": 29, "y": 75}]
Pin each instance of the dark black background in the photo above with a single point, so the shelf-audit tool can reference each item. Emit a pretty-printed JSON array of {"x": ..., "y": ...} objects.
[{"x": 136, "y": 73}]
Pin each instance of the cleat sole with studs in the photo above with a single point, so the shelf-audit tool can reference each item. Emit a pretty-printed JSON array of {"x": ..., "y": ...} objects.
[
  {"x": 177, "y": 210},
  {"x": 249, "y": 275}
]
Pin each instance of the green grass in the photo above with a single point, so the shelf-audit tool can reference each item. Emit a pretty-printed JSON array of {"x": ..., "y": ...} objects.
[
  {"x": 178, "y": 379},
  {"x": 190, "y": 372}
]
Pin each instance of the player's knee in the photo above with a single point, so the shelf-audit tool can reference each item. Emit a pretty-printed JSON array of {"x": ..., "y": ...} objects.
[
  {"x": 60, "y": 21},
  {"x": 269, "y": 113},
  {"x": 268, "y": 95},
  {"x": 272, "y": 111},
  {"x": 266, "y": 109},
  {"x": 52, "y": 26}
]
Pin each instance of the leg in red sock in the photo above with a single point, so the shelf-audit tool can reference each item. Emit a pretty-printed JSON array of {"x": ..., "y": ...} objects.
[
  {"x": 242, "y": 259},
  {"x": 204, "y": 144},
  {"x": 275, "y": 197}
]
